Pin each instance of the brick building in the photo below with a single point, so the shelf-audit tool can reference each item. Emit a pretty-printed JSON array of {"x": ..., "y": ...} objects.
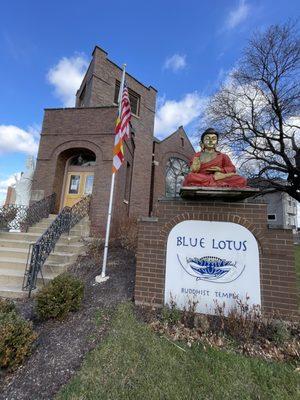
[{"x": 75, "y": 152}]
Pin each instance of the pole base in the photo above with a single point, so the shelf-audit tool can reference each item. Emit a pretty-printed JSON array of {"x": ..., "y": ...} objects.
[{"x": 100, "y": 279}]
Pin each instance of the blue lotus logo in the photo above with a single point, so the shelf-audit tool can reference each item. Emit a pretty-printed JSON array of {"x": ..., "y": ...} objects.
[{"x": 212, "y": 269}]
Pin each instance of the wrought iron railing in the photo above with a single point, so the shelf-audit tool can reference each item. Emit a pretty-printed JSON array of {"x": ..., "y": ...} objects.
[
  {"x": 39, "y": 251},
  {"x": 20, "y": 218}
]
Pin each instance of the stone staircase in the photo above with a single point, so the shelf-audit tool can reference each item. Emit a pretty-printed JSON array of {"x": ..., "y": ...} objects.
[{"x": 14, "y": 248}]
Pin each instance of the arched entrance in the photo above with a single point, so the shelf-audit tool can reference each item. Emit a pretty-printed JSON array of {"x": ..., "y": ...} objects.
[
  {"x": 74, "y": 176},
  {"x": 79, "y": 177}
]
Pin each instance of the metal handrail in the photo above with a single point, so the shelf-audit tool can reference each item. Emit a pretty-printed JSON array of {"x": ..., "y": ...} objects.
[
  {"x": 40, "y": 250},
  {"x": 20, "y": 218}
]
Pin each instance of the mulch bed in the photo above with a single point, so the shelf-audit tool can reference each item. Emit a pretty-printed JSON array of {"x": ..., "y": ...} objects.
[{"x": 62, "y": 345}]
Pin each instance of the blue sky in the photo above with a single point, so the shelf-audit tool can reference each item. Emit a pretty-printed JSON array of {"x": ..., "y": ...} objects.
[{"x": 184, "y": 49}]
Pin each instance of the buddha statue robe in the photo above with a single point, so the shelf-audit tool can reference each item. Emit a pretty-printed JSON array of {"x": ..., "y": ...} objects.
[{"x": 207, "y": 179}]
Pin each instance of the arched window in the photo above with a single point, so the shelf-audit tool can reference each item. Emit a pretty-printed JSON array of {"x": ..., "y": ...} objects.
[
  {"x": 83, "y": 160},
  {"x": 176, "y": 170}
]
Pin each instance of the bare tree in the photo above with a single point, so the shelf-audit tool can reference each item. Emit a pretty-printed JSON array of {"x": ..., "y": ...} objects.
[{"x": 258, "y": 109}]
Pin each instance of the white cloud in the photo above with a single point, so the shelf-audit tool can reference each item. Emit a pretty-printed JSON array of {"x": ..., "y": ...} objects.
[
  {"x": 66, "y": 77},
  {"x": 238, "y": 15},
  {"x": 171, "y": 113},
  {"x": 14, "y": 139},
  {"x": 175, "y": 62}
]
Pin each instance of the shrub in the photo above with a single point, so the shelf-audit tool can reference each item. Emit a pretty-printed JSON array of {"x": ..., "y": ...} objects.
[
  {"x": 62, "y": 295},
  {"x": 94, "y": 248},
  {"x": 243, "y": 322},
  {"x": 280, "y": 332},
  {"x": 189, "y": 314},
  {"x": 17, "y": 337},
  {"x": 6, "y": 306},
  {"x": 170, "y": 313},
  {"x": 128, "y": 234}
]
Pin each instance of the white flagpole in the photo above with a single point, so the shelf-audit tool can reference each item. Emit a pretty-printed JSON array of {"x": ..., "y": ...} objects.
[{"x": 103, "y": 277}]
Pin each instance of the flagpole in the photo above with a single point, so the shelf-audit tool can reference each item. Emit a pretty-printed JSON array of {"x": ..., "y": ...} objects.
[{"x": 103, "y": 277}]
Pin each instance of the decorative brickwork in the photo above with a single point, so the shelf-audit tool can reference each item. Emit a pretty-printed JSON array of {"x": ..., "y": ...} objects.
[{"x": 277, "y": 263}]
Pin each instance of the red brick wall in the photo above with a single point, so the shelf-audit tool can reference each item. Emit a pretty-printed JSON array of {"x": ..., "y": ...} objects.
[
  {"x": 277, "y": 264},
  {"x": 102, "y": 76},
  {"x": 76, "y": 128}
]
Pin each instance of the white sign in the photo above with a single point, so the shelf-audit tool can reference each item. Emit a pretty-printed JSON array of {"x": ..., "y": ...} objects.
[{"x": 212, "y": 263}]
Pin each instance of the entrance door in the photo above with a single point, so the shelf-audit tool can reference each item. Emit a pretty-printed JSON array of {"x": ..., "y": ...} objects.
[{"x": 78, "y": 185}]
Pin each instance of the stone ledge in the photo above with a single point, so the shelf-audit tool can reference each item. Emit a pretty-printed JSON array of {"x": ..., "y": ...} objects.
[
  {"x": 148, "y": 219},
  {"x": 217, "y": 194}
]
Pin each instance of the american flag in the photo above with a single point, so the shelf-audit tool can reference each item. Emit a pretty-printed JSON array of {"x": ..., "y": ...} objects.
[{"x": 122, "y": 130}]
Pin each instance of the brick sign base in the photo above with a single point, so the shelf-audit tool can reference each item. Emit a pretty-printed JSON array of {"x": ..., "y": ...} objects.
[{"x": 276, "y": 250}]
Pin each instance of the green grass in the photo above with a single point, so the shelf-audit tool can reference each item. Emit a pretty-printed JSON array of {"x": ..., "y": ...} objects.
[
  {"x": 134, "y": 363},
  {"x": 297, "y": 263}
]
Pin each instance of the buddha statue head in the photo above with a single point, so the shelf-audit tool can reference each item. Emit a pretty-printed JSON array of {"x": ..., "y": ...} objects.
[{"x": 209, "y": 139}]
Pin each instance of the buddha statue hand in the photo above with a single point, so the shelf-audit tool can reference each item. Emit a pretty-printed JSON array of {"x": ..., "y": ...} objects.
[
  {"x": 214, "y": 169},
  {"x": 195, "y": 167},
  {"x": 221, "y": 175}
]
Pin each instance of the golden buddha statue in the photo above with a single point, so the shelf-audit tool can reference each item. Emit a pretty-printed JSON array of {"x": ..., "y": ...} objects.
[{"x": 212, "y": 168}]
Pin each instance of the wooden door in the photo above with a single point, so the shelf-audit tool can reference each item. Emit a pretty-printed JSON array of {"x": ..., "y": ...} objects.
[{"x": 78, "y": 185}]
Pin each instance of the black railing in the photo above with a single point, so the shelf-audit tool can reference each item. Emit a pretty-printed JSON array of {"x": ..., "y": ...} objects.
[
  {"x": 20, "y": 218},
  {"x": 39, "y": 251}
]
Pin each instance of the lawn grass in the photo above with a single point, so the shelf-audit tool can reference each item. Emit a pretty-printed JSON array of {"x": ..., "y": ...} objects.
[
  {"x": 297, "y": 263},
  {"x": 134, "y": 363}
]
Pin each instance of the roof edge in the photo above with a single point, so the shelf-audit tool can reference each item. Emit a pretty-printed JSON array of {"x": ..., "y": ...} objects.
[{"x": 79, "y": 108}]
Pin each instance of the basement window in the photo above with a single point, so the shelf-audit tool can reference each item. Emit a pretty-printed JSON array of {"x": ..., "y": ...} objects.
[{"x": 134, "y": 99}]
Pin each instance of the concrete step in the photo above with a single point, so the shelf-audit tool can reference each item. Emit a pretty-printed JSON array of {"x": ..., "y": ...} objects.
[
  {"x": 15, "y": 278},
  {"x": 20, "y": 244},
  {"x": 63, "y": 245},
  {"x": 14, "y": 252},
  {"x": 37, "y": 229},
  {"x": 14, "y": 247},
  {"x": 51, "y": 267},
  {"x": 33, "y": 237},
  {"x": 29, "y": 237},
  {"x": 12, "y": 291},
  {"x": 17, "y": 264},
  {"x": 77, "y": 231},
  {"x": 62, "y": 258},
  {"x": 13, "y": 264},
  {"x": 43, "y": 225},
  {"x": 76, "y": 247},
  {"x": 22, "y": 254}
]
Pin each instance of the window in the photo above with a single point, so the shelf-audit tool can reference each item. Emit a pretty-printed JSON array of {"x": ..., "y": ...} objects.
[
  {"x": 134, "y": 99},
  {"x": 271, "y": 217},
  {"x": 88, "y": 187},
  {"x": 83, "y": 160},
  {"x": 74, "y": 184},
  {"x": 175, "y": 172}
]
